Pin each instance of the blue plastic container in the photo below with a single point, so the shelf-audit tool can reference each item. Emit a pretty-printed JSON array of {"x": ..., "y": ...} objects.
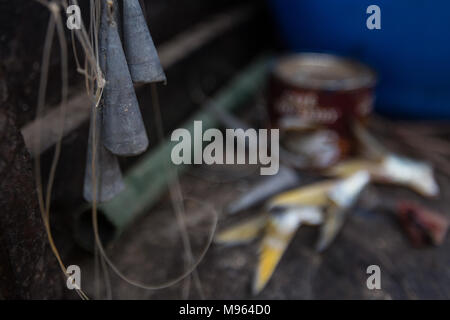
[{"x": 411, "y": 52}]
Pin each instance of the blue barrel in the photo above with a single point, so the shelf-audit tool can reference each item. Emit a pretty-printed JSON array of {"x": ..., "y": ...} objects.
[{"x": 411, "y": 52}]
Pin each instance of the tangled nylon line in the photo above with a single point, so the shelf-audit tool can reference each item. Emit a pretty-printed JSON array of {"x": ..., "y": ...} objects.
[{"x": 94, "y": 83}]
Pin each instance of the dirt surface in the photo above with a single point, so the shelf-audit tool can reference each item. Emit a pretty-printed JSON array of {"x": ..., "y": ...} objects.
[{"x": 151, "y": 250}]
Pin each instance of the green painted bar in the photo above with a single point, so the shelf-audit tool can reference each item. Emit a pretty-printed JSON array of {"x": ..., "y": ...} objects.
[{"x": 146, "y": 181}]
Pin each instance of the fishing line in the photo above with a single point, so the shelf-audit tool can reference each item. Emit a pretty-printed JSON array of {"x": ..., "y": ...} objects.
[
  {"x": 174, "y": 188},
  {"x": 91, "y": 73},
  {"x": 96, "y": 273},
  {"x": 55, "y": 21},
  {"x": 165, "y": 284},
  {"x": 93, "y": 34},
  {"x": 175, "y": 203},
  {"x": 175, "y": 195}
]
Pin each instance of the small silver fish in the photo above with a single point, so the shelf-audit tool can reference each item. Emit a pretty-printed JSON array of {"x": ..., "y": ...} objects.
[
  {"x": 393, "y": 169},
  {"x": 342, "y": 197},
  {"x": 279, "y": 231},
  {"x": 243, "y": 232}
]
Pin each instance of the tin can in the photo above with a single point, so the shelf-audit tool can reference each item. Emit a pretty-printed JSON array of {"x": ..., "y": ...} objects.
[{"x": 314, "y": 99}]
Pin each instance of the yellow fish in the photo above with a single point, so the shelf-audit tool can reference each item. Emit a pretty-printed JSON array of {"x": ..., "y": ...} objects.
[
  {"x": 310, "y": 195},
  {"x": 243, "y": 232},
  {"x": 341, "y": 198},
  {"x": 279, "y": 232},
  {"x": 393, "y": 169},
  {"x": 387, "y": 167}
]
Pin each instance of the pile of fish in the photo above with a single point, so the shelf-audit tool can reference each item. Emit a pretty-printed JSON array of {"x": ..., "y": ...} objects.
[
  {"x": 328, "y": 202},
  {"x": 117, "y": 127}
]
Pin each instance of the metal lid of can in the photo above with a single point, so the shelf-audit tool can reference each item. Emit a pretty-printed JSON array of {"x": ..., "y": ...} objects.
[{"x": 324, "y": 72}]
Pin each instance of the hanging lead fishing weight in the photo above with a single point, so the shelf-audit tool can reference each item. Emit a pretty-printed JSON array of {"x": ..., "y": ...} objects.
[{"x": 123, "y": 127}]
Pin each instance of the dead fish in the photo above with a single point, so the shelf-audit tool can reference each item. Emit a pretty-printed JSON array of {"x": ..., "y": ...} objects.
[
  {"x": 334, "y": 220},
  {"x": 345, "y": 193},
  {"x": 341, "y": 197},
  {"x": 309, "y": 195},
  {"x": 414, "y": 174},
  {"x": 279, "y": 231},
  {"x": 348, "y": 167},
  {"x": 393, "y": 169},
  {"x": 285, "y": 178},
  {"x": 243, "y": 232}
]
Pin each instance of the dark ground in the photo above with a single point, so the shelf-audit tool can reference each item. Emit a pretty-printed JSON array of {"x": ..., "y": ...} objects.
[{"x": 151, "y": 249}]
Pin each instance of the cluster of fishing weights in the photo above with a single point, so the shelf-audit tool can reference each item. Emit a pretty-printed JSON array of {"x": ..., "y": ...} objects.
[{"x": 126, "y": 55}]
